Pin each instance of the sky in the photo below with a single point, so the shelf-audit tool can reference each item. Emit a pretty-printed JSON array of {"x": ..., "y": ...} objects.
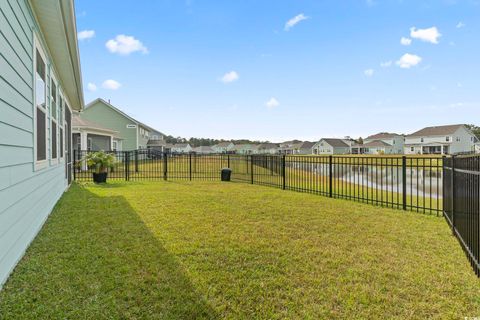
[{"x": 280, "y": 70}]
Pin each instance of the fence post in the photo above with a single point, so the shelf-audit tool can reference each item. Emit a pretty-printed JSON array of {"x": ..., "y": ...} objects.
[
  {"x": 127, "y": 164},
  {"x": 404, "y": 182},
  {"x": 165, "y": 169},
  {"x": 228, "y": 161},
  {"x": 251, "y": 168},
  {"x": 136, "y": 160},
  {"x": 190, "y": 167},
  {"x": 453, "y": 194},
  {"x": 283, "y": 171},
  {"x": 330, "y": 176}
]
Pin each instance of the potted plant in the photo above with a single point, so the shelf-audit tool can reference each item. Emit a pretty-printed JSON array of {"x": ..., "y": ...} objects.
[{"x": 100, "y": 162}]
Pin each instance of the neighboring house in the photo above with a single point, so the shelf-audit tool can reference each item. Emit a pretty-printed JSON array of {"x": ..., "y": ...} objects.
[
  {"x": 396, "y": 141},
  {"x": 204, "y": 150},
  {"x": 448, "y": 139},
  {"x": 245, "y": 148},
  {"x": 303, "y": 147},
  {"x": 332, "y": 146},
  {"x": 266, "y": 148},
  {"x": 180, "y": 148},
  {"x": 287, "y": 147},
  {"x": 40, "y": 87},
  {"x": 374, "y": 147},
  {"x": 223, "y": 147},
  {"x": 156, "y": 135},
  {"x": 477, "y": 147},
  {"x": 91, "y": 136},
  {"x": 135, "y": 134},
  {"x": 158, "y": 145}
]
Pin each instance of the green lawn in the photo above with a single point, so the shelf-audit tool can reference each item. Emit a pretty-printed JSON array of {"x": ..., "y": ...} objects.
[{"x": 189, "y": 250}]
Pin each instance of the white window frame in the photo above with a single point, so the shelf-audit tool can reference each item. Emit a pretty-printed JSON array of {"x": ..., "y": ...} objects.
[
  {"x": 53, "y": 79},
  {"x": 39, "y": 164},
  {"x": 61, "y": 97}
]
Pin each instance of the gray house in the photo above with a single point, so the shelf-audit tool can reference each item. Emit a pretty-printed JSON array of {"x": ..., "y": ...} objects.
[{"x": 332, "y": 146}]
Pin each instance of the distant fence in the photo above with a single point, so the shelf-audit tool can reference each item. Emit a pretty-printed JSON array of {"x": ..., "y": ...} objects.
[
  {"x": 448, "y": 186},
  {"x": 462, "y": 203}
]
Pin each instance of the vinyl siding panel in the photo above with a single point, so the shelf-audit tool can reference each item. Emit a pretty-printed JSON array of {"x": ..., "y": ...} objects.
[
  {"x": 111, "y": 119},
  {"x": 27, "y": 196}
]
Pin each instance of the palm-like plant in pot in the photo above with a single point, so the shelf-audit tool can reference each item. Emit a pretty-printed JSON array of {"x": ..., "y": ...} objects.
[{"x": 100, "y": 162}]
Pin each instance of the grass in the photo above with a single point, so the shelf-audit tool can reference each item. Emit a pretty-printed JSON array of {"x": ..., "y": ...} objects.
[{"x": 190, "y": 250}]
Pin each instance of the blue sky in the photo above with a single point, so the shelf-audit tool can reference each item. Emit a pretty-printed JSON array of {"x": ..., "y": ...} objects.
[{"x": 277, "y": 70}]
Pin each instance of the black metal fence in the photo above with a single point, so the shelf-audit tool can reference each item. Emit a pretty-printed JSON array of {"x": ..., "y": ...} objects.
[
  {"x": 409, "y": 183},
  {"x": 461, "y": 195}
]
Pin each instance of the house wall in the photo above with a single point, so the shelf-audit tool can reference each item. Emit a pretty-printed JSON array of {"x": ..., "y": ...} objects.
[
  {"x": 324, "y": 148},
  {"x": 143, "y": 137},
  {"x": 27, "y": 196},
  {"x": 465, "y": 143},
  {"x": 111, "y": 119},
  {"x": 397, "y": 143}
]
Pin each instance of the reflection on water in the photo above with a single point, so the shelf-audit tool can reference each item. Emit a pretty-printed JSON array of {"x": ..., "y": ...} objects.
[{"x": 419, "y": 181}]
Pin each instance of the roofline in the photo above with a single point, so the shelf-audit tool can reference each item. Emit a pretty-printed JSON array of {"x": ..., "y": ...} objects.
[
  {"x": 76, "y": 65},
  {"x": 439, "y": 135},
  {"x": 69, "y": 27}
]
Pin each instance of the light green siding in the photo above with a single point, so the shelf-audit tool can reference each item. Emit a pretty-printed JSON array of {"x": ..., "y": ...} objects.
[
  {"x": 27, "y": 196},
  {"x": 103, "y": 114}
]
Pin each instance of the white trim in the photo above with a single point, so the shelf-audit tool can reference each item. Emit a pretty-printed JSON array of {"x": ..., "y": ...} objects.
[
  {"x": 62, "y": 126},
  {"x": 39, "y": 164},
  {"x": 53, "y": 79}
]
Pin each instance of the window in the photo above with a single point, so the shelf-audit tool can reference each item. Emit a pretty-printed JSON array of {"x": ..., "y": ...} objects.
[
  {"x": 421, "y": 140},
  {"x": 53, "y": 117},
  {"x": 114, "y": 145},
  {"x": 89, "y": 144},
  {"x": 412, "y": 149},
  {"x": 40, "y": 108},
  {"x": 447, "y": 139}
]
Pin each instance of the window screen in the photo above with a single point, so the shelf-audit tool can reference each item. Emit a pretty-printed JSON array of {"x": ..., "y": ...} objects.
[
  {"x": 41, "y": 141},
  {"x": 54, "y": 140},
  {"x": 54, "y": 100},
  {"x": 61, "y": 142}
]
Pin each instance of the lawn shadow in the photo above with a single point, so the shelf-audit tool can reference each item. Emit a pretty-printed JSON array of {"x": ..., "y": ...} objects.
[{"x": 94, "y": 259}]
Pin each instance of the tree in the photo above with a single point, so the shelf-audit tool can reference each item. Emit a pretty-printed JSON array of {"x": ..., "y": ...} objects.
[
  {"x": 360, "y": 140},
  {"x": 475, "y": 129}
]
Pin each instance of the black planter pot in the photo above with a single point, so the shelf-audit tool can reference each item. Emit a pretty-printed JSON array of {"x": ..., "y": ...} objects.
[{"x": 100, "y": 177}]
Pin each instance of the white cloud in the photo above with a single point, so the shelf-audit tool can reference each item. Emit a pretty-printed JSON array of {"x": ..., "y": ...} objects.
[
  {"x": 386, "y": 64},
  {"x": 124, "y": 45},
  {"x": 293, "y": 21},
  {"x": 86, "y": 34},
  {"x": 91, "y": 87},
  {"x": 406, "y": 41},
  {"x": 408, "y": 60},
  {"x": 460, "y": 25},
  {"x": 230, "y": 77},
  {"x": 111, "y": 84},
  {"x": 457, "y": 105},
  {"x": 428, "y": 35},
  {"x": 369, "y": 72},
  {"x": 272, "y": 103}
]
